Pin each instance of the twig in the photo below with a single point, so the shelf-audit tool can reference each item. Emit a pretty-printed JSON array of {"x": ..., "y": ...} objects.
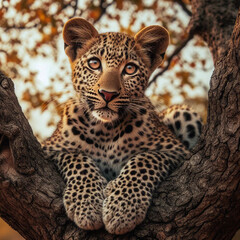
[
  {"x": 176, "y": 52},
  {"x": 103, "y": 9},
  {"x": 20, "y": 27},
  {"x": 3, "y": 51},
  {"x": 75, "y": 8},
  {"x": 184, "y": 7}
]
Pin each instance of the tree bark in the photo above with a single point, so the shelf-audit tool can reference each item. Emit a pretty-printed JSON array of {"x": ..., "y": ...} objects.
[{"x": 200, "y": 200}]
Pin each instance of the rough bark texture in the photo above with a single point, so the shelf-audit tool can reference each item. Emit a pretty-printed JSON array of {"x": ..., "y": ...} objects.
[
  {"x": 201, "y": 200},
  {"x": 214, "y": 20}
]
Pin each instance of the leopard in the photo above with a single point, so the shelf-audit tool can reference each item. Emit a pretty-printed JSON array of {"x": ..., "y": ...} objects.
[{"x": 111, "y": 146}]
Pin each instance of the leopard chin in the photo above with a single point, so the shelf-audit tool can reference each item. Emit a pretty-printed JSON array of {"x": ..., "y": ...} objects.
[{"x": 105, "y": 114}]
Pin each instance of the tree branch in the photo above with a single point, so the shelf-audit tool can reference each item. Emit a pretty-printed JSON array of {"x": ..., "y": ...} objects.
[
  {"x": 20, "y": 27},
  {"x": 184, "y": 7},
  {"x": 103, "y": 6},
  {"x": 75, "y": 8},
  {"x": 169, "y": 60},
  {"x": 209, "y": 19}
]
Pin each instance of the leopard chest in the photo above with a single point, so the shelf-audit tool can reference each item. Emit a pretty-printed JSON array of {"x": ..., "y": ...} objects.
[{"x": 110, "y": 146}]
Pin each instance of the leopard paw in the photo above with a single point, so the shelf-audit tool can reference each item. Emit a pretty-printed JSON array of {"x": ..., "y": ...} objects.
[
  {"x": 84, "y": 208},
  {"x": 125, "y": 207}
]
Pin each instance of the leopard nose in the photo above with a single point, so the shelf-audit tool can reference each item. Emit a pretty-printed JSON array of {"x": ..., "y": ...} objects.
[{"x": 108, "y": 96}]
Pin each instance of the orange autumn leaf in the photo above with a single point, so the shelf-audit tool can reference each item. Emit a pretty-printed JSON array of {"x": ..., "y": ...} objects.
[
  {"x": 18, "y": 6},
  {"x": 119, "y": 4},
  {"x": 1, "y": 13},
  {"x": 166, "y": 98},
  {"x": 13, "y": 58},
  {"x": 173, "y": 62},
  {"x": 26, "y": 96},
  {"x": 95, "y": 14},
  {"x": 192, "y": 64},
  {"x": 44, "y": 106},
  {"x": 54, "y": 30},
  {"x": 29, "y": 2},
  {"x": 42, "y": 16},
  {"x": 185, "y": 78}
]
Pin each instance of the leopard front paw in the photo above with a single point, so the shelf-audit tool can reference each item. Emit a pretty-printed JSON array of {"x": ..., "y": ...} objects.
[
  {"x": 124, "y": 207},
  {"x": 84, "y": 208}
]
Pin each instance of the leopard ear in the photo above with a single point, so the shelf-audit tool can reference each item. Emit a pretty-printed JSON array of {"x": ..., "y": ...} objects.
[
  {"x": 153, "y": 40},
  {"x": 76, "y": 32}
]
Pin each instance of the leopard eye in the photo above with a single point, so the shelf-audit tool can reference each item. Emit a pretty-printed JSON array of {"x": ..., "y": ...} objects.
[
  {"x": 94, "y": 63},
  {"x": 130, "y": 69}
]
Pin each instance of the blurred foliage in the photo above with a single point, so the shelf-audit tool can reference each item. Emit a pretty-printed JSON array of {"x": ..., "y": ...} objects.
[{"x": 31, "y": 51}]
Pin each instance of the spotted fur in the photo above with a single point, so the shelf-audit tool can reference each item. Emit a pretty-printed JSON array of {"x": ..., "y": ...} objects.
[{"x": 111, "y": 146}]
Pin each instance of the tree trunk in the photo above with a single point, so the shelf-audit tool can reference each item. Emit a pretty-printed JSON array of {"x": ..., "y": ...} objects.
[{"x": 200, "y": 200}]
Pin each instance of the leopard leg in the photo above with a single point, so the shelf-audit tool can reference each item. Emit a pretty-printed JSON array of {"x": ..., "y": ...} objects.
[
  {"x": 184, "y": 123},
  {"x": 129, "y": 195},
  {"x": 83, "y": 196}
]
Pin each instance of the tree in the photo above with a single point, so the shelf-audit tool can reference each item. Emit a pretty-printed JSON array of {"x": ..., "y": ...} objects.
[{"x": 200, "y": 200}]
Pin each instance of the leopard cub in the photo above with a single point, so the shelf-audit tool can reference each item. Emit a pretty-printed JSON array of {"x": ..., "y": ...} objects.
[{"x": 111, "y": 146}]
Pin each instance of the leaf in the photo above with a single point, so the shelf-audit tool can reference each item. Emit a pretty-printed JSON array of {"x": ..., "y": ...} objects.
[
  {"x": 44, "y": 106},
  {"x": 42, "y": 16},
  {"x": 185, "y": 77},
  {"x": 13, "y": 58},
  {"x": 45, "y": 38},
  {"x": 166, "y": 98},
  {"x": 54, "y": 30},
  {"x": 119, "y": 4},
  {"x": 30, "y": 2},
  {"x": 26, "y": 96},
  {"x": 95, "y": 13},
  {"x": 174, "y": 62},
  {"x": 18, "y": 6},
  {"x": 193, "y": 64},
  {"x": 1, "y": 13},
  {"x": 203, "y": 61}
]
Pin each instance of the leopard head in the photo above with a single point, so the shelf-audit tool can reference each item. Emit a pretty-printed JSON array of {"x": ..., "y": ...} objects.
[{"x": 111, "y": 70}]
